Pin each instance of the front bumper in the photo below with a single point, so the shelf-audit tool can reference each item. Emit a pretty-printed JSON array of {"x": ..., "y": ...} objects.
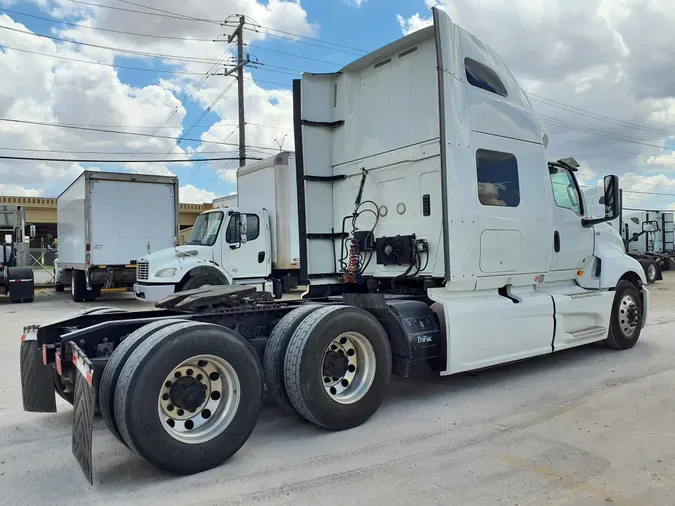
[{"x": 152, "y": 293}]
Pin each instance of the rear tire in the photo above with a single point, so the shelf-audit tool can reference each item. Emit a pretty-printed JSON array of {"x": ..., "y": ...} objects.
[
  {"x": 337, "y": 367},
  {"x": 114, "y": 367},
  {"x": 626, "y": 317},
  {"x": 275, "y": 354},
  {"x": 78, "y": 288},
  {"x": 140, "y": 404}
]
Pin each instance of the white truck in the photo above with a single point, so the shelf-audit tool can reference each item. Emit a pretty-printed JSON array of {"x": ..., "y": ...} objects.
[
  {"x": 218, "y": 252},
  {"x": 457, "y": 255},
  {"x": 106, "y": 221}
]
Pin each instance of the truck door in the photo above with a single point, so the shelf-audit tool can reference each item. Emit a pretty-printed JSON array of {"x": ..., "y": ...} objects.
[
  {"x": 572, "y": 242},
  {"x": 248, "y": 255}
]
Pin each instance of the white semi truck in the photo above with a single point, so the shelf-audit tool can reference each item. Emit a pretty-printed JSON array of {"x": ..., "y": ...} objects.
[
  {"x": 106, "y": 221},
  {"x": 218, "y": 252},
  {"x": 425, "y": 200}
]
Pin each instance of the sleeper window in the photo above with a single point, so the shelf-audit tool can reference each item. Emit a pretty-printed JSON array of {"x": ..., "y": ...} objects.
[{"x": 498, "y": 183}]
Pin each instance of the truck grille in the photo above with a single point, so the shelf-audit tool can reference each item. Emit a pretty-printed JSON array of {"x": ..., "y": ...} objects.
[{"x": 142, "y": 270}]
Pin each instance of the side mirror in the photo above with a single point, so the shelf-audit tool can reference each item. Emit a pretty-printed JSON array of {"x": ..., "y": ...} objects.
[
  {"x": 32, "y": 231},
  {"x": 243, "y": 228},
  {"x": 650, "y": 226},
  {"x": 611, "y": 201}
]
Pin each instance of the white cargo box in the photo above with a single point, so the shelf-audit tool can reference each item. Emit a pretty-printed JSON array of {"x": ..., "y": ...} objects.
[
  {"x": 115, "y": 218},
  {"x": 271, "y": 184}
]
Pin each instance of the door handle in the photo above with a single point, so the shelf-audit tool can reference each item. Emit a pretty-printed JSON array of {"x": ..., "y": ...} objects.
[
  {"x": 261, "y": 257},
  {"x": 556, "y": 242}
]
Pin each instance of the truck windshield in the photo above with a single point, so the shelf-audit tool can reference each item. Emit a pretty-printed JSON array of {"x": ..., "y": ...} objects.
[{"x": 206, "y": 228}]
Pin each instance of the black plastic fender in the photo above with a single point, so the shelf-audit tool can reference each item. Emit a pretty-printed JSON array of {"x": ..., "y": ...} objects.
[
  {"x": 414, "y": 331},
  {"x": 21, "y": 283}
]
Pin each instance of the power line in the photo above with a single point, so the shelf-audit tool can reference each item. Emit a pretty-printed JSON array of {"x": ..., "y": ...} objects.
[
  {"x": 115, "y": 49},
  {"x": 183, "y": 16},
  {"x": 294, "y": 55},
  {"x": 649, "y": 193},
  {"x": 595, "y": 131},
  {"x": 297, "y": 39},
  {"x": 118, "y": 153},
  {"x": 102, "y": 6},
  {"x": 306, "y": 38},
  {"x": 184, "y": 99},
  {"x": 79, "y": 160},
  {"x": 204, "y": 113},
  {"x": 139, "y": 134},
  {"x": 112, "y": 65},
  {"x": 599, "y": 117},
  {"x": 584, "y": 143},
  {"x": 110, "y": 30}
]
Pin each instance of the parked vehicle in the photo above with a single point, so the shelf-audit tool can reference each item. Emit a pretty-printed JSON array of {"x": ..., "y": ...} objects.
[
  {"x": 219, "y": 253},
  {"x": 16, "y": 281},
  {"x": 647, "y": 236},
  {"x": 106, "y": 221},
  {"x": 452, "y": 250}
]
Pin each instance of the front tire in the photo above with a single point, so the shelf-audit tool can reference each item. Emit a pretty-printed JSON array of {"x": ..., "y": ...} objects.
[
  {"x": 337, "y": 367},
  {"x": 199, "y": 281},
  {"x": 651, "y": 271},
  {"x": 626, "y": 317},
  {"x": 189, "y": 396}
]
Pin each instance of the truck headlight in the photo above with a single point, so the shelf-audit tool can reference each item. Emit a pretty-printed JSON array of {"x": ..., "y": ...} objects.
[{"x": 169, "y": 272}]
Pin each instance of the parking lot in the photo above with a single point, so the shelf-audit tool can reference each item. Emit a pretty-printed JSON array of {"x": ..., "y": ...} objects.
[{"x": 582, "y": 427}]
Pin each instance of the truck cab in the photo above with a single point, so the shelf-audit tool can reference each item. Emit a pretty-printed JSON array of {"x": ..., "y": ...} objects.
[{"x": 226, "y": 246}]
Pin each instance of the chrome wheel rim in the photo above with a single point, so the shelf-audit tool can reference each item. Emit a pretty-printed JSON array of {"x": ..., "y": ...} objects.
[
  {"x": 651, "y": 272},
  {"x": 199, "y": 399},
  {"x": 628, "y": 315},
  {"x": 348, "y": 368}
]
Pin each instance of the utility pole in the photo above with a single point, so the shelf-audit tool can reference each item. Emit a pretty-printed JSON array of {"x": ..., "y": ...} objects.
[{"x": 239, "y": 34}]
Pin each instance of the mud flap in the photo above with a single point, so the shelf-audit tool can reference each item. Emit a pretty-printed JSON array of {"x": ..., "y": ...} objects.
[
  {"x": 83, "y": 414},
  {"x": 37, "y": 379}
]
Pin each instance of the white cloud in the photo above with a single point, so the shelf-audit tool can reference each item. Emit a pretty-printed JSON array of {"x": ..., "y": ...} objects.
[
  {"x": 190, "y": 194},
  {"x": 50, "y": 90},
  {"x": 19, "y": 191},
  {"x": 355, "y": 3},
  {"x": 413, "y": 23}
]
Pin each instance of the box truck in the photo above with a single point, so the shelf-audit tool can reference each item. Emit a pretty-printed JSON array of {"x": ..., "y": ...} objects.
[
  {"x": 457, "y": 254},
  {"x": 218, "y": 252},
  {"x": 106, "y": 221}
]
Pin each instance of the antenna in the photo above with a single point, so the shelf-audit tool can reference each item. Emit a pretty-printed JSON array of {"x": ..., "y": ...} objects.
[{"x": 281, "y": 144}]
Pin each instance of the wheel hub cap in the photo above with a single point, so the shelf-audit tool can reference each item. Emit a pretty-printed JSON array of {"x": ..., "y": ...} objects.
[
  {"x": 629, "y": 315},
  {"x": 199, "y": 399},
  {"x": 188, "y": 393},
  {"x": 335, "y": 364},
  {"x": 348, "y": 368}
]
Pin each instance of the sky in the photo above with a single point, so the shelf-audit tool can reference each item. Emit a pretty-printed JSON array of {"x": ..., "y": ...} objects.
[{"x": 599, "y": 72}]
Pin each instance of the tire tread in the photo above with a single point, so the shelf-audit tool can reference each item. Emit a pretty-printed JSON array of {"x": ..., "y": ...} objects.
[{"x": 275, "y": 352}]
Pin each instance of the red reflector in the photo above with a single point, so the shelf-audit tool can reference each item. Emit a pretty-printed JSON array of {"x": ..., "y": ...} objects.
[
  {"x": 23, "y": 337},
  {"x": 44, "y": 354},
  {"x": 58, "y": 363}
]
